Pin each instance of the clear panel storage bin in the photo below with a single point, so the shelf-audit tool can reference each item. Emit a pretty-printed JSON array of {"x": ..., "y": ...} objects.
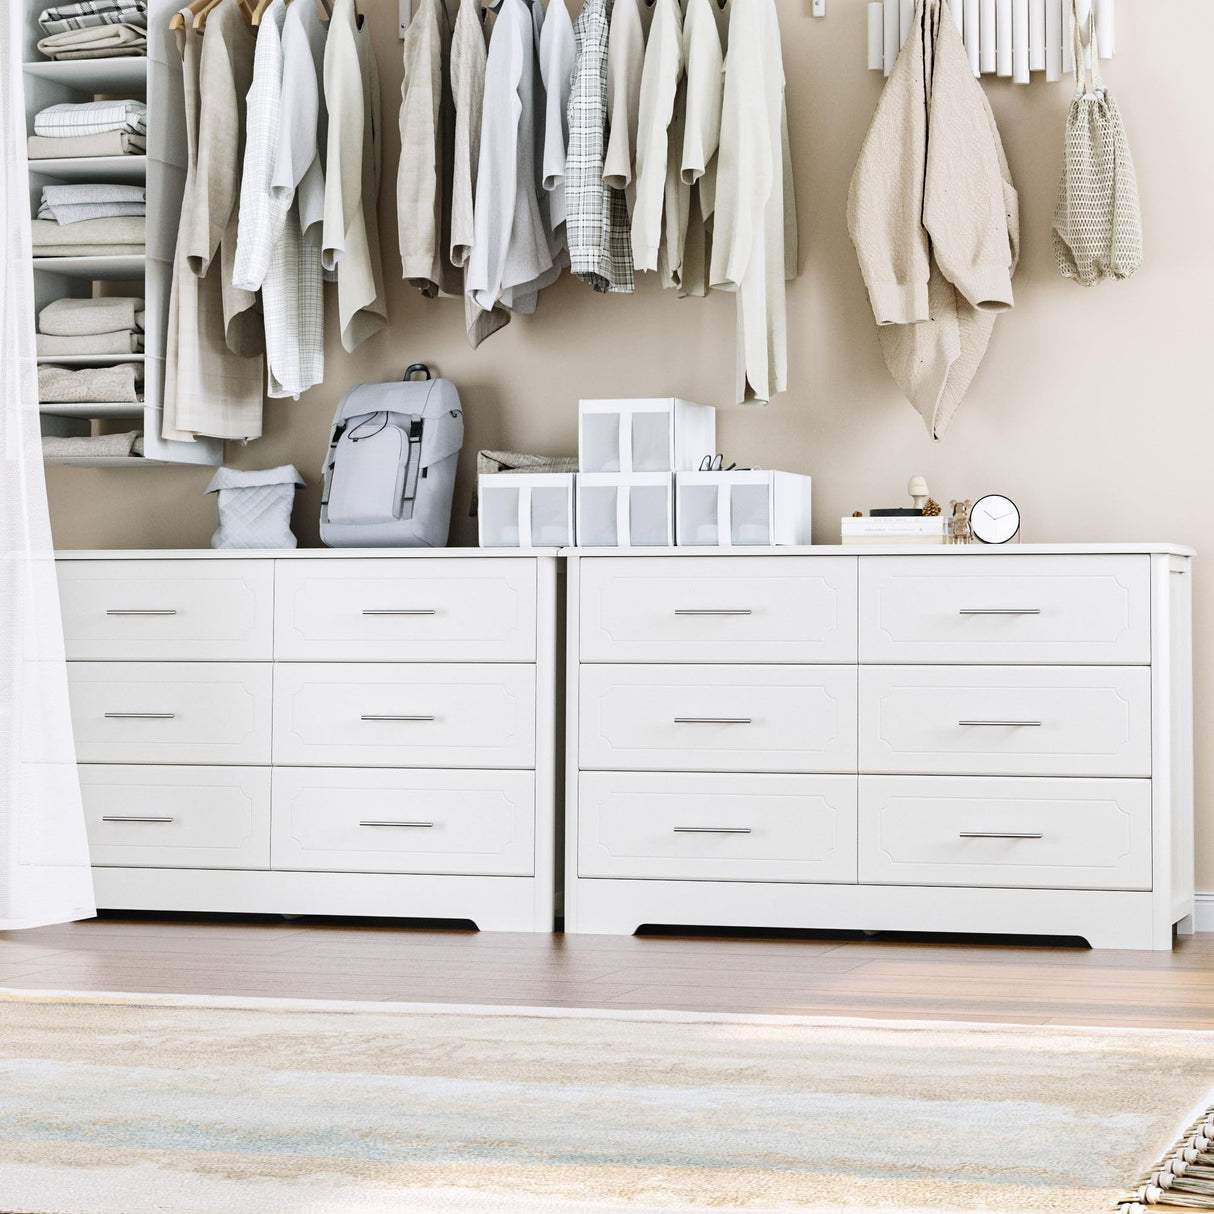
[
  {"x": 625, "y": 511},
  {"x": 662, "y": 434},
  {"x": 524, "y": 510},
  {"x": 743, "y": 509}
]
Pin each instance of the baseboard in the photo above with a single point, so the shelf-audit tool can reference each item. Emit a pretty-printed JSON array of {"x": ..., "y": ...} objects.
[{"x": 1204, "y": 916}]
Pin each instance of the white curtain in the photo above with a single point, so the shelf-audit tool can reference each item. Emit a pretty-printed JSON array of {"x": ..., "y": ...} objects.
[{"x": 44, "y": 868}]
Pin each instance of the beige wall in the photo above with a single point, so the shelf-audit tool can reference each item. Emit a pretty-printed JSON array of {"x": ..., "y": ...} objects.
[{"x": 1093, "y": 409}]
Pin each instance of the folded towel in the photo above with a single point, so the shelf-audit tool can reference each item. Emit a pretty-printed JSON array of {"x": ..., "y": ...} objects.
[
  {"x": 91, "y": 13},
  {"x": 121, "y": 232},
  {"x": 76, "y": 203},
  {"x": 108, "y": 143},
  {"x": 84, "y": 317},
  {"x": 89, "y": 385},
  {"x": 108, "y": 446},
  {"x": 91, "y": 210},
  {"x": 99, "y": 42},
  {"x": 92, "y": 118},
  {"x": 121, "y": 342}
]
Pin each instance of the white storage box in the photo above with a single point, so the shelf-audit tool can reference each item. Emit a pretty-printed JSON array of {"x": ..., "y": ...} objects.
[
  {"x": 743, "y": 509},
  {"x": 525, "y": 510},
  {"x": 625, "y": 511},
  {"x": 662, "y": 434}
]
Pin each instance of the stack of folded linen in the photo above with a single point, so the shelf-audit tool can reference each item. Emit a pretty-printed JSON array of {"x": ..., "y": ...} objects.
[
  {"x": 90, "y": 128},
  {"x": 113, "y": 325},
  {"x": 95, "y": 29},
  {"x": 121, "y": 236},
  {"x": 90, "y": 385},
  {"x": 75, "y": 203},
  {"x": 108, "y": 446}
]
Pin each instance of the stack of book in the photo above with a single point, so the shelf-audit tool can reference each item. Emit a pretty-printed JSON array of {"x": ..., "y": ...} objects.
[{"x": 891, "y": 532}]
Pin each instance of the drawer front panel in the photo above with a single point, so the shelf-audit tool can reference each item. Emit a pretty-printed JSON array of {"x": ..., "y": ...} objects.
[
  {"x": 177, "y": 817},
  {"x": 718, "y": 718},
  {"x": 166, "y": 611},
  {"x": 1006, "y": 720},
  {"x": 1040, "y": 834},
  {"x": 717, "y": 828},
  {"x": 477, "y": 610},
  {"x": 404, "y": 716},
  {"x": 718, "y": 609},
  {"x": 479, "y": 823},
  {"x": 1068, "y": 610},
  {"x": 171, "y": 712}
]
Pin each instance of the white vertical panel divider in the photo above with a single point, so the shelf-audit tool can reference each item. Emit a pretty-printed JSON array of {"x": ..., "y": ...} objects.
[
  {"x": 1020, "y": 41},
  {"x": 1003, "y": 36},
  {"x": 892, "y": 41},
  {"x": 876, "y": 36},
  {"x": 957, "y": 8},
  {"x": 1053, "y": 40},
  {"x": 1106, "y": 27},
  {"x": 986, "y": 36},
  {"x": 973, "y": 33},
  {"x": 1037, "y": 36},
  {"x": 1068, "y": 56}
]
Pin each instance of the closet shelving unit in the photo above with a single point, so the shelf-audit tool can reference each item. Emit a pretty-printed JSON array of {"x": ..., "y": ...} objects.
[{"x": 156, "y": 79}]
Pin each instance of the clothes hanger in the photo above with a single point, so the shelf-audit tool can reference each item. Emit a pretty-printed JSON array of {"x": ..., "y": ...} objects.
[
  {"x": 259, "y": 11},
  {"x": 178, "y": 21}
]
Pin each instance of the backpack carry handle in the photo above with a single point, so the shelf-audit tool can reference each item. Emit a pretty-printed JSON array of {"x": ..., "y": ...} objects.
[{"x": 417, "y": 367}]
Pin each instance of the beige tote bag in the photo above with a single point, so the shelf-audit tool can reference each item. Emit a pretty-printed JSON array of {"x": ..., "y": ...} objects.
[{"x": 1097, "y": 223}]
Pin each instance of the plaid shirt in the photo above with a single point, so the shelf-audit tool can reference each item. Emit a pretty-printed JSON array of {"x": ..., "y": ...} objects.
[
  {"x": 88, "y": 13},
  {"x": 600, "y": 240},
  {"x": 92, "y": 118}
]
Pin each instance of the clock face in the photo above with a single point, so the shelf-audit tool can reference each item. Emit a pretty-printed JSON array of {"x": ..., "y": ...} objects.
[{"x": 995, "y": 519}]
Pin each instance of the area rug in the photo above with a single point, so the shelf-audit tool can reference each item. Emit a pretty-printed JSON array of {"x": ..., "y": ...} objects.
[{"x": 130, "y": 1104}]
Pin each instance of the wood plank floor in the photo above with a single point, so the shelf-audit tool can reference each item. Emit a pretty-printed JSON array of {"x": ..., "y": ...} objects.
[{"x": 840, "y": 974}]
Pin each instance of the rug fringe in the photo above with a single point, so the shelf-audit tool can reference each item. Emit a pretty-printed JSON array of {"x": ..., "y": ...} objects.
[{"x": 1184, "y": 1179}]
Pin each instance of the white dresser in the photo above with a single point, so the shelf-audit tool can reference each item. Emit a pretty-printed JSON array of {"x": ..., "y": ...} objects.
[
  {"x": 944, "y": 739},
  {"x": 318, "y": 731}
]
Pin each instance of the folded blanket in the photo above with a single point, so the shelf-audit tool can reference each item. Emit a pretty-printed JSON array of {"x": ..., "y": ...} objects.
[
  {"x": 86, "y": 317},
  {"x": 91, "y": 13},
  {"x": 118, "y": 234},
  {"x": 89, "y": 446},
  {"x": 108, "y": 143},
  {"x": 90, "y": 210},
  {"x": 100, "y": 42},
  {"x": 121, "y": 342},
  {"x": 75, "y": 203},
  {"x": 89, "y": 385},
  {"x": 92, "y": 118}
]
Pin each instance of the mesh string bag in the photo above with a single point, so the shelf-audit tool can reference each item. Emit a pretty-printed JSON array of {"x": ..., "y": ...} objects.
[{"x": 1097, "y": 223}]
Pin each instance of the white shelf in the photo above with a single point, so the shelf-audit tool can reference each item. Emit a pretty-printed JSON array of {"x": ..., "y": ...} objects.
[
  {"x": 92, "y": 168},
  {"x": 106, "y": 461},
  {"x": 121, "y": 74},
  {"x": 124, "y": 267},
  {"x": 124, "y": 408},
  {"x": 90, "y": 360}
]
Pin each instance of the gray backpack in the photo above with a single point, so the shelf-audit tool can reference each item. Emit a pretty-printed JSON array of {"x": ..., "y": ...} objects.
[{"x": 389, "y": 476}]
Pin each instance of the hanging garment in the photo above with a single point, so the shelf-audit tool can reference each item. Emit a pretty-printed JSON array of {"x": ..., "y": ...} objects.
[
  {"x": 207, "y": 389},
  {"x": 625, "y": 63},
  {"x": 557, "y": 52},
  {"x": 754, "y": 247},
  {"x": 352, "y": 173},
  {"x": 596, "y": 224},
  {"x": 304, "y": 131},
  {"x": 511, "y": 259},
  {"x": 934, "y": 218},
  {"x": 468, "y": 59}
]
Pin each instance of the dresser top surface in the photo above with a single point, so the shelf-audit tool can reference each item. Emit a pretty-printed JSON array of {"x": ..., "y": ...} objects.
[
  {"x": 950, "y": 550},
  {"x": 279, "y": 554}
]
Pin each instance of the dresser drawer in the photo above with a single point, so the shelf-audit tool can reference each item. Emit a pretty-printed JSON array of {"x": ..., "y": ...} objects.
[
  {"x": 688, "y": 827},
  {"x": 718, "y": 609},
  {"x": 404, "y": 716},
  {"x": 171, "y": 712},
  {"x": 1006, "y": 608},
  {"x": 1006, "y": 720},
  {"x": 406, "y": 610},
  {"x": 718, "y": 718},
  {"x": 177, "y": 817},
  {"x": 1017, "y": 833},
  {"x": 165, "y": 610},
  {"x": 478, "y": 823}
]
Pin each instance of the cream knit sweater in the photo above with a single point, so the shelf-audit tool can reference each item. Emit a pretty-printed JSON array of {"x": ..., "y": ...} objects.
[{"x": 934, "y": 218}]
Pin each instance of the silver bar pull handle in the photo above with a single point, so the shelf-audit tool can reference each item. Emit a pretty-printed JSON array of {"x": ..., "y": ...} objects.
[
  {"x": 713, "y": 611},
  {"x": 395, "y": 716},
  {"x": 1000, "y": 834},
  {"x": 410, "y": 825},
  {"x": 1000, "y": 610},
  {"x": 1003, "y": 724},
  {"x": 140, "y": 716},
  {"x": 713, "y": 830},
  {"x": 399, "y": 611},
  {"x": 141, "y": 611},
  {"x": 713, "y": 721},
  {"x": 131, "y": 818}
]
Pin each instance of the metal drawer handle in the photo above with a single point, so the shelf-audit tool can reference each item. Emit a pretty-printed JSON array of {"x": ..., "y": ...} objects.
[
  {"x": 399, "y": 611},
  {"x": 141, "y": 611},
  {"x": 413, "y": 825},
  {"x": 394, "y": 716},
  {"x": 713, "y": 830},
  {"x": 1004, "y": 724},
  {"x": 713, "y": 721},
  {"x": 140, "y": 716},
  {"x": 713, "y": 611},
  {"x": 131, "y": 818},
  {"x": 1000, "y": 610},
  {"x": 1000, "y": 834}
]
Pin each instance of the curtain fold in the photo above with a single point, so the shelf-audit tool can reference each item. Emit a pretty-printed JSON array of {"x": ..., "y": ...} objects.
[{"x": 44, "y": 865}]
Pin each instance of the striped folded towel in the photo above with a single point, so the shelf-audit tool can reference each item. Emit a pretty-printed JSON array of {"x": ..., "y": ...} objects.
[
  {"x": 86, "y": 317},
  {"x": 91, "y": 13},
  {"x": 100, "y": 42},
  {"x": 92, "y": 118},
  {"x": 76, "y": 203}
]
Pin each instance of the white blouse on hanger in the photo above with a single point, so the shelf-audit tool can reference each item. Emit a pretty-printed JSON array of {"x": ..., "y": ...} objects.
[
  {"x": 556, "y": 70},
  {"x": 625, "y": 62}
]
